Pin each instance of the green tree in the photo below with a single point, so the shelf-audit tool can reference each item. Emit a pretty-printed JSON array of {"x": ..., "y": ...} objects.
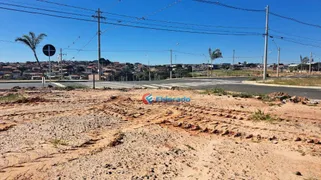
[{"x": 32, "y": 41}]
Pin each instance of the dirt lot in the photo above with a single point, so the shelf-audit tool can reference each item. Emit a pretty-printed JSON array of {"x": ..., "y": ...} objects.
[{"x": 109, "y": 134}]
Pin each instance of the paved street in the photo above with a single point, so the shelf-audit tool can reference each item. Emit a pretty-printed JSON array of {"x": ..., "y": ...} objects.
[
  {"x": 184, "y": 83},
  {"x": 230, "y": 84}
]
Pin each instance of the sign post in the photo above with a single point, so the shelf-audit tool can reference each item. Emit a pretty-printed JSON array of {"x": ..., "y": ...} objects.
[{"x": 49, "y": 50}]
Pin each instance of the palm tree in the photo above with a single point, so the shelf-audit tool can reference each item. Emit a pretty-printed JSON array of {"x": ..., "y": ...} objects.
[
  {"x": 32, "y": 41},
  {"x": 304, "y": 60},
  {"x": 214, "y": 55}
]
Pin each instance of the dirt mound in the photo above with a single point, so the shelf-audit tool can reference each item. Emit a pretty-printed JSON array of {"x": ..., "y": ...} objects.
[{"x": 297, "y": 99}]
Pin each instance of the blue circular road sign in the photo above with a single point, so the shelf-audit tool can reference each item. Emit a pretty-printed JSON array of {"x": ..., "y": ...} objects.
[{"x": 49, "y": 50}]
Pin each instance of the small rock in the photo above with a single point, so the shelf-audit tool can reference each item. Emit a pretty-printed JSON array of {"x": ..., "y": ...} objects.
[
  {"x": 238, "y": 134},
  {"x": 215, "y": 131},
  {"x": 298, "y": 173},
  {"x": 314, "y": 102},
  {"x": 310, "y": 141},
  {"x": 136, "y": 115},
  {"x": 298, "y": 139},
  {"x": 195, "y": 128},
  {"x": 226, "y": 133},
  {"x": 177, "y": 124},
  {"x": 274, "y": 142},
  {"x": 187, "y": 126},
  {"x": 205, "y": 130},
  {"x": 113, "y": 97},
  {"x": 257, "y": 97},
  {"x": 249, "y": 136},
  {"x": 272, "y": 138},
  {"x": 228, "y": 116},
  {"x": 258, "y": 137}
]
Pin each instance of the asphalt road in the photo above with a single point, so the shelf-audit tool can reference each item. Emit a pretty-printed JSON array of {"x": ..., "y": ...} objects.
[
  {"x": 310, "y": 93},
  {"x": 230, "y": 84}
]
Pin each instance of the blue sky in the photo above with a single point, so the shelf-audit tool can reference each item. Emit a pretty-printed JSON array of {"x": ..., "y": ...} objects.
[{"x": 154, "y": 44}]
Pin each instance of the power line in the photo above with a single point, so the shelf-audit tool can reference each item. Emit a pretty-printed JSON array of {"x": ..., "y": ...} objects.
[
  {"x": 164, "y": 8},
  {"x": 162, "y": 21},
  {"x": 228, "y": 6},
  {"x": 143, "y": 18},
  {"x": 295, "y": 20},
  {"x": 86, "y": 15},
  {"x": 193, "y": 54},
  {"x": 181, "y": 23},
  {"x": 7, "y": 41},
  {"x": 91, "y": 39},
  {"x": 52, "y": 15},
  {"x": 73, "y": 42},
  {"x": 294, "y": 41},
  {"x": 181, "y": 27},
  {"x": 293, "y": 35},
  {"x": 60, "y": 4},
  {"x": 134, "y": 26},
  {"x": 41, "y": 9},
  {"x": 92, "y": 50}
]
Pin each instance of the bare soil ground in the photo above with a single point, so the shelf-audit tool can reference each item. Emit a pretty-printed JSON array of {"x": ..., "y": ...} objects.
[{"x": 86, "y": 134}]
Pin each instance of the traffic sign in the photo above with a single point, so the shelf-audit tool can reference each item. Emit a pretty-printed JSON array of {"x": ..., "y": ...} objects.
[{"x": 49, "y": 50}]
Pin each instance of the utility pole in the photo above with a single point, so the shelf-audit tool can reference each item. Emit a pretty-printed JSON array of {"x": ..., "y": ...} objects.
[
  {"x": 266, "y": 43},
  {"x": 278, "y": 67},
  {"x": 99, "y": 17},
  {"x": 310, "y": 63},
  {"x": 60, "y": 63},
  {"x": 171, "y": 66},
  {"x": 233, "y": 56}
]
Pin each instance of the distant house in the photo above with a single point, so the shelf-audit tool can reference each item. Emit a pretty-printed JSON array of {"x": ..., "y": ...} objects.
[
  {"x": 74, "y": 77},
  {"x": 16, "y": 74},
  {"x": 7, "y": 68},
  {"x": 88, "y": 69}
]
